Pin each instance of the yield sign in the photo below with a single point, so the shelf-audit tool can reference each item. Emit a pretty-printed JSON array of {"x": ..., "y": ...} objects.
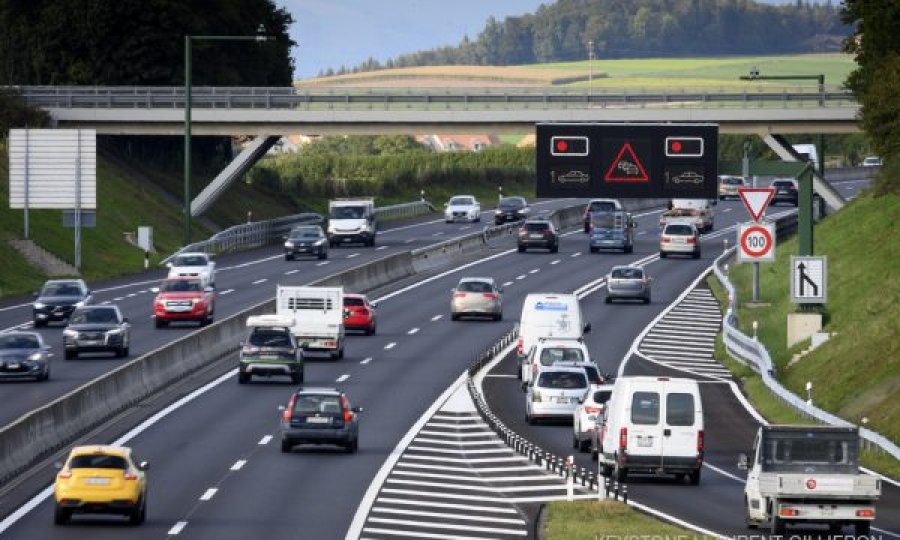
[
  {"x": 626, "y": 167},
  {"x": 756, "y": 200}
]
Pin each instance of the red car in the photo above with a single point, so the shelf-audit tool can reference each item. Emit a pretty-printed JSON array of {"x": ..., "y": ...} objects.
[
  {"x": 359, "y": 314},
  {"x": 183, "y": 299}
]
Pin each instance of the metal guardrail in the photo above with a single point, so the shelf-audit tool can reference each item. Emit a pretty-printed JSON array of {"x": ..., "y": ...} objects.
[
  {"x": 752, "y": 353},
  {"x": 405, "y": 210},
  {"x": 149, "y": 97}
]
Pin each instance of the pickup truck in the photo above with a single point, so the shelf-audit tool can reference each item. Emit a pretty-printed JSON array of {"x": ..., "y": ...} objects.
[
  {"x": 697, "y": 211},
  {"x": 317, "y": 315},
  {"x": 808, "y": 474}
]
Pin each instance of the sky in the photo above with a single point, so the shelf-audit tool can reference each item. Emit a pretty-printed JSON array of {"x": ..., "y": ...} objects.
[{"x": 330, "y": 33}]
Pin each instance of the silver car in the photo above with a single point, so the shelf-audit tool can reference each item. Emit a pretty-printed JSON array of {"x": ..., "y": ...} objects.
[
  {"x": 555, "y": 392},
  {"x": 628, "y": 282},
  {"x": 477, "y": 297},
  {"x": 679, "y": 237}
]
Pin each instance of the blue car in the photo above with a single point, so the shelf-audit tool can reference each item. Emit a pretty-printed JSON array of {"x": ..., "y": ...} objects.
[{"x": 612, "y": 230}]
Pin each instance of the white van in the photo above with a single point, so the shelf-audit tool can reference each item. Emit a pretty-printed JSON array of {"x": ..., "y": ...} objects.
[
  {"x": 809, "y": 153},
  {"x": 652, "y": 425},
  {"x": 549, "y": 351},
  {"x": 548, "y": 316}
]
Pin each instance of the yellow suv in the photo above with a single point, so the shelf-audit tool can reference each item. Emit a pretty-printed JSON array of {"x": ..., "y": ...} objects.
[{"x": 101, "y": 480}]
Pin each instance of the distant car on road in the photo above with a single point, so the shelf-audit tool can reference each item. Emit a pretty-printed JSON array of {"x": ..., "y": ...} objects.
[
  {"x": 477, "y": 297},
  {"x": 538, "y": 233},
  {"x": 359, "y": 314},
  {"x": 586, "y": 416},
  {"x": 57, "y": 299},
  {"x": 199, "y": 265},
  {"x": 728, "y": 186},
  {"x": 23, "y": 355},
  {"x": 872, "y": 161},
  {"x": 97, "y": 329},
  {"x": 270, "y": 349},
  {"x": 551, "y": 351},
  {"x": 511, "y": 209},
  {"x": 599, "y": 205},
  {"x": 462, "y": 208},
  {"x": 785, "y": 191},
  {"x": 319, "y": 416},
  {"x": 183, "y": 299},
  {"x": 306, "y": 240},
  {"x": 680, "y": 237},
  {"x": 628, "y": 282},
  {"x": 101, "y": 480}
]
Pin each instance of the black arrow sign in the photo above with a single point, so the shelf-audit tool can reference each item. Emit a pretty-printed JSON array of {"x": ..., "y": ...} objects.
[{"x": 804, "y": 278}]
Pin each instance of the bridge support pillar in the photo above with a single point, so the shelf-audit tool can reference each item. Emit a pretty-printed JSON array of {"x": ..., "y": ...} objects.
[{"x": 238, "y": 166}]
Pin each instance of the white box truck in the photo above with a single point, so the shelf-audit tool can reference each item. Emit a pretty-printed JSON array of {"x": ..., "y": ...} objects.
[
  {"x": 318, "y": 317},
  {"x": 351, "y": 221}
]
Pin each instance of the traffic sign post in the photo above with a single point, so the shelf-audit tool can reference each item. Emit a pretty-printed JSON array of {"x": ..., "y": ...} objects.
[{"x": 809, "y": 280}]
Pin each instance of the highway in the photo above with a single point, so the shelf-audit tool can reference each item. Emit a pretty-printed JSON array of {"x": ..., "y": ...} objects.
[
  {"x": 243, "y": 279},
  {"x": 217, "y": 471}
]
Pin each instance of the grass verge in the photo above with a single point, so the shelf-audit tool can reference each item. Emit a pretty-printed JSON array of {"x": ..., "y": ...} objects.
[{"x": 593, "y": 520}]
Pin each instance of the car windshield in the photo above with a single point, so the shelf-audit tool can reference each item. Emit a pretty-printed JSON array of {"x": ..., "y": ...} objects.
[
  {"x": 628, "y": 273},
  {"x": 181, "y": 285},
  {"x": 562, "y": 380},
  {"x": 679, "y": 230},
  {"x": 190, "y": 260},
  {"x": 98, "y": 461},
  {"x": 312, "y": 403},
  {"x": 94, "y": 315},
  {"x": 462, "y": 201},
  {"x": 783, "y": 183},
  {"x": 62, "y": 289},
  {"x": 602, "y": 206},
  {"x": 20, "y": 341},
  {"x": 475, "y": 287},
  {"x": 269, "y": 337},
  {"x": 511, "y": 204},
  {"x": 537, "y": 227},
  {"x": 732, "y": 181},
  {"x": 593, "y": 375},
  {"x": 347, "y": 212},
  {"x": 352, "y": 301},
  {"x": 307, "y": 232},
  {"x": 552, "y": 355}
]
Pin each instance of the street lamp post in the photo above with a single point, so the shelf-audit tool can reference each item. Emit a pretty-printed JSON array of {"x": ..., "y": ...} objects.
[{"x": 188, "y": 39}]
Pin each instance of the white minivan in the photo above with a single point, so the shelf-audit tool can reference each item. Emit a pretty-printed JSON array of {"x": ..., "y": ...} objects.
[
  {"x": 548, "y": 316},
  {"x": 652, "y": 425}
]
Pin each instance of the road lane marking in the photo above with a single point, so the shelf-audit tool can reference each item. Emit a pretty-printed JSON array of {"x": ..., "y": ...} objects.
[
  {"x": 534, "y": 271},
  {"x": 226, "y": 291},
  {"x": 238, "y": 464},
  {"x": 177, "y": 528},
  {"x": 323, "y": 263},
  {"x": 412, "y": 331},
  {"x": 410, "y": 241},
  {"x": 556, "y": 261},
  {"x": 106, "y": 302},
  {"x": 379, "y": 248},
  {"x": 439, "y": 233},
  {"x": 641, "y": 233},
  {"x": 260, "y": 281},
  {"x": 390, "y": 346},
  {"x": 130, "y": 295},
  {"x": 507, "y": 283},
  {"x": 117, "y": 299},
  {"x": 726, "y": 210},
  {"x": 294, "y": 271},
  {"x": 521, "y": 276},
  {"x": 353, "y": 255},
  {"x": 437, "y": 317},
  {"x": 365, "y": 361},
  {"x": 576, "y": 254},
  {"x": 343, "y": 377},
  {"x": 208, "y": 494}
]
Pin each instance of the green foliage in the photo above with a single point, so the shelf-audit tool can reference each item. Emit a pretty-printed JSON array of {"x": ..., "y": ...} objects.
[
  {"x": 362, "y": 145},
  {"x": 842, "y": 150},
  {"x": 103, "y": 42},
  {"x": 876, "y": 44},
  {"x": 560, "y": 31},
  {"x": 14, "y": 113}
]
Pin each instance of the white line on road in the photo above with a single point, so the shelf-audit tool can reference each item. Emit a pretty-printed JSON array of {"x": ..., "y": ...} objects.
[
  {"x": 439, "y": 233},
  {"x": 130, "y": 295},
  {"x": 390, "y": 345},
  {"x": 507, "y": 283},
  {"x": 106, "y": 302},
  {"x": 117, "y": 299},
  {"x": 410, "y": 241},
  {"x": 177, "y": 528},
  {"x": 413, "y": 331},
  {"x": 727, "y": 210},
  {"x": 365, "y": 361},
  {"x": 238, "y": 464},
  {"x": 294, "y": 271},
  {"x": 557, "y": 261},
  {"x": 379, "y": 248},
  {"x": 323, "y": 263},
  {"x": 227, "y": 291},
  {"x": 265, "y": 440},
  {"x": 641, "y": 233},
  {"x": 437, "y": 317},
  {"x": 534, "y": 271},
  {"x": 353, "y": 255},
  {"x": 576, "y": 254},
  {"x": 343, "y": 377},
  {"x": 521, "y": 276},
  {"x": 260, "y": 281},
  {"x": 208, "y": 494}
]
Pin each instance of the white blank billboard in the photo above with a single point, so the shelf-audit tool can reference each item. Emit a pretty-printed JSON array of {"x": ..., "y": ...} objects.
[{"x": 50, "y": 159}]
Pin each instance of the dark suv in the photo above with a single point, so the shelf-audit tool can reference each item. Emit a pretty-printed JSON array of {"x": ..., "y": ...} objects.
[
  {"x": 97, "y": 329},
  {"x": 270, "y": 349},
  {"x": 306, "y": 240},
  {"x": 511, "y": 209},
  {"x": 319, "y": 416},
  {"x": 785, "y": 191},
  {"x": 58, "y": 299},
  {"x": 538, "y": 233}
]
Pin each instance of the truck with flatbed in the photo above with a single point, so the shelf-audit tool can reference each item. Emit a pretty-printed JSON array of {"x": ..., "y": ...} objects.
[
  {"x": 809, "y": 475},
  {"x": 317, "y": 316}
]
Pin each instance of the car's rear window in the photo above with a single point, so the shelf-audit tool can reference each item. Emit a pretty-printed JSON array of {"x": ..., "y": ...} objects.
[
  {"x": 732, "y": 181},
  {"x": 645, "y": 408},
  {"x": 783, "y": 183},
  {"x": 562, "y": 380},
  {"x": 602, "y": 206},
  {"x": 312, "y": 403},
  {"x": 306, "y": 232},
  {"x": 190, "y": 260},
  {"x": 475, "y": 286},
  {"x": 552, "y": 355},
  {"x": 537, "y": 227},
  {"x": 602, "y": 396},
  {"x": 264, "y": 337},
  {"x": 680, "y": 409},
  {"x": 353, "y": 301},
  {"x": 18, "y": 342},
  {"x": 679, "y": 230},
  {"x": 628, "y": 273},
  {"x": 593, "y": 375},
  {"x": 98, "y": 461}
]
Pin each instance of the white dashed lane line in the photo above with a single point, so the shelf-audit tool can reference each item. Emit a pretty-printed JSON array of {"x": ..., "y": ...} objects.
[
  {"x": 294, "y": 271},
  {"x": 323, "y": 263},
  {"x": 390, "y": 346},
  {"x": 352, "y": 255},
  {"x": 534, "y": 271},
  {"x": 365, "y": 361},
  {"x": 576, "y": 254},
  {"x": 343, "y": 377},
  {"x": 413, "y": 331},
  {"x": 557, "y": 261},
  {"x": 130, "y": 295},
  {"x": 265, "y": 440},
  {"x": 238, "y": 464},
  {"x": 208, "y": 494},
  {"x": 226, "y": 291},
  {"x": 521, "y": 276},
  {"x": 260, "y": 281},
  {"x": 177, "y": 528},
  {"x": 439, "y": 233},
  {"x": 410, "y": 241},
  {"x": 437, "y": 317},
  {"x": 105, "y": 302},
  {"x": 507, "y": 283},
  {"x": 117, "y": 299},
  {"x": 641, "y": 233},
  {"x": 379, "y": 248}
]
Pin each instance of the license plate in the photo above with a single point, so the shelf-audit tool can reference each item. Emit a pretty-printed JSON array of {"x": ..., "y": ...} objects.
[
  {"x": 97, "y": 481},
  {"x": 319, "y": 420},
  {"x": 592, "y": 418},
  {"x": 347, "y": 239},
  {"x": 268, "y": 357},
  {"x": 13, "y": 365},
  {"x": 535, "y": 236},
  {"x": 645, "y": 442},
  {"x": 562, "y": 400},
  {"x": 92, "y": 342}
]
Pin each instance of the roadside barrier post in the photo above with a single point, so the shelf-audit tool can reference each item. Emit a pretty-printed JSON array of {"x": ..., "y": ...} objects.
[
  {"x": 570, "y": 479},
  {"x": 146, "y": 259}
]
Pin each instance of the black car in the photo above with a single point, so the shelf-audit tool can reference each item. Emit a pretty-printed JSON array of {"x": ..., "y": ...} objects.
[
  {"x": 511, "y": 209},
  {"x": 58, "y": 299},
  {"x": 319, "y": 416},
  {"x": 306, "y": 240},
  {"x": 97, "y": 329},
  {"x": 538, "y": 233},
  {"x": 785, "y": 191},
  {"x": 23, "y": 355}
]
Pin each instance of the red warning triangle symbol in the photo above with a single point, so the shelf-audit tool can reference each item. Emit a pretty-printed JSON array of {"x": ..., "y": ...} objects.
[{"x": 626, "y": 167}]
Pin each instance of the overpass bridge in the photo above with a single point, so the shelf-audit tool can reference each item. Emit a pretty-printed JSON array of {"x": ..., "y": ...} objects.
[{"x": 268, "y": 113}]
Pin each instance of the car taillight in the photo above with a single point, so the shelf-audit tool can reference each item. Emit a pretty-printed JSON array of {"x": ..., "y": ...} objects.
[
  {"x": 623, "y": 439},
  {"x": 286, "y": 414},
  {"x": 490, "y": 295},
  {"x": 536, "y": 397},
  {"x": 866, "y": 513},
  {"x": 520, "y": 346},
  {"x": 330, "y": 344},
  {"x": 700, "y": 442},
  {"x": 692, "y": 240},
  {"x": 522, "y": 232},
  {"x": 548, "y": 232},
  {"x": 592, "y": 410},
  {"x": 130, "y": 476},
  {"x": 666, "y": 240},
  {"x": 345, "y": 406},
  {"x": 250, "y": 350},
  {"x": 459, "y": 295},
  {"x": 789, "y": 512},
  {"x": 65, "y": 474}
]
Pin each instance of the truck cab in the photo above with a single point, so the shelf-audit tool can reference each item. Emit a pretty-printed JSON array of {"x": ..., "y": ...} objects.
[
  {"x": 351, "y": 221},
  {"x": 808, "y": 474},
  {"x": 612, "y": 230}
]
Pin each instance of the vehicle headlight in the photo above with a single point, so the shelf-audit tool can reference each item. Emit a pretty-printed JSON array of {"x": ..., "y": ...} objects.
[
  {"x": 498, "y": 211},
  {"x": 39, "y": 305},
  {"x": 79, "y": 303},
  {"x": 70, "y": 333},
  {"x": 35, "y": 357},
  {"x": 319, "y": 242},
  {"x": 289, "y": 244},
  {"x": 114, "y": 332}
]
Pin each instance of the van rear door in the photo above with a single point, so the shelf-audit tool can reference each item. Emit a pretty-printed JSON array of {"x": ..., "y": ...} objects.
[
  {"x": 680, "y": 423},
  {"x": 645, "y": 425}
]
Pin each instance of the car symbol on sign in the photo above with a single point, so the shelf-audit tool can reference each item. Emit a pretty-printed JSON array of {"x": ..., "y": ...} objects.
[
  {"x": 574, "y": 177},
  {"x": 628, "y": 168},
  {"x": 688, "y": 177}
]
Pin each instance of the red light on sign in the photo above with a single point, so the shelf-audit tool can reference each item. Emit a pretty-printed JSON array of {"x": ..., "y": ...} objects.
[
  {"x": 811, "y": 483},
  {"x": 676, "y": 146},
  {"x": 569, "y": 146},
  {"x": 684, "y": 147},
  {"x": 562, "y": 145}
]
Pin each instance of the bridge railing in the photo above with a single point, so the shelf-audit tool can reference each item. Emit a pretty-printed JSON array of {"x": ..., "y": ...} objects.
[{"x": 159, "y": 97}]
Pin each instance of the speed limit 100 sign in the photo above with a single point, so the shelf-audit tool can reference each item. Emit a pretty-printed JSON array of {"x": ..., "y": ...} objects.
[{"x": 756, "y": 242}]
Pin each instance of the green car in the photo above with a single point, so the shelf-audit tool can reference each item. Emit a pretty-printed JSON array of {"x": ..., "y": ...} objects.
[{"x": 270, "y": 350}]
